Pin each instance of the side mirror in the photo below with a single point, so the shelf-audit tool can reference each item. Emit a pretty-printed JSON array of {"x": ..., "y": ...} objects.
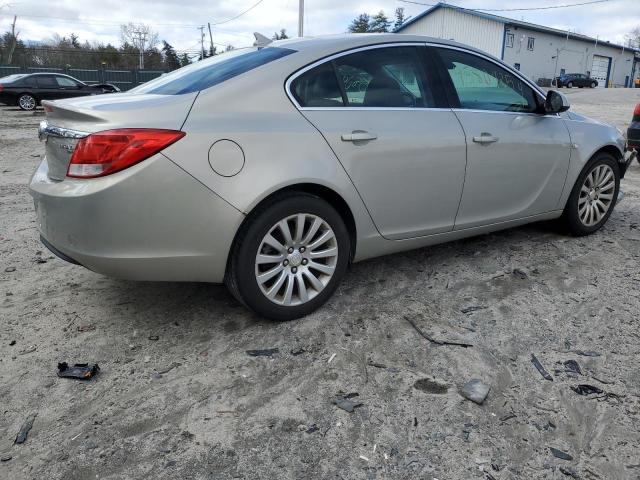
[{"x": 556, "y": 102}]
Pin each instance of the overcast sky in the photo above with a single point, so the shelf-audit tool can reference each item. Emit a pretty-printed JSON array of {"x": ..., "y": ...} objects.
[{"x": 176, "y": 20}]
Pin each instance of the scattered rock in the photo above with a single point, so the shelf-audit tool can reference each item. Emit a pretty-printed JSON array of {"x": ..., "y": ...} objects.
[
  {"x": 154, "y": 338},
  {"x": 25, "y": 429},
  {"x": 5, "y": 457},
  {"x": 431, "y": 385},
  {"x": 156, "y": 376},
  {"x": 312, "y": 428},
  {"x": 267, "y": 352},
  {"x": 297, "y": 352},
  {"x": 346, "y": 404},
  {"x": 522, "y": 275},
  {"x": 10, "y": 269},
  {"x": 169, "y": 368},
  {"x": 86, "y": 328},
  {"x": 560, "y": 454},
  {"x": 569, "y": 472},
  {"x": 472, "y": 308},
  {"x": 12, "y": 343},
  {"x": 475, "y": 390}
]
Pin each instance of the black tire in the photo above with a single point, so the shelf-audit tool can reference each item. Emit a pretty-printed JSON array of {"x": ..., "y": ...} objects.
[
  {"x": 570, "y": 85},
  {"x": 570, "y": 216},
  {"x": 593, "y": 85},
  {"x": 27, "y": 102},
  {"x": 241, "y": 274}
]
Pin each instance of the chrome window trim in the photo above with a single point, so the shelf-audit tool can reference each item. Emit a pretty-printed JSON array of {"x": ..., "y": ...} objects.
[
  {"x": 45, "y": 130},
  {"x": 297, "y": 73}
]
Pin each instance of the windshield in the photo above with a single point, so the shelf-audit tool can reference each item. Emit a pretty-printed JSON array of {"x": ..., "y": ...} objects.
[{"x": 211, "y": 71}]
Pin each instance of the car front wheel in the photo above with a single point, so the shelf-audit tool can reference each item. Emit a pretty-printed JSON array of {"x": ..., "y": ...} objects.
[
  {"x": 289, "y": 257},
  {"x": 593, "y": 84},
  {"x": 570, "y": 85},
  {"x": 27, "y": 102},
  {"x": 593, "y": 196}
]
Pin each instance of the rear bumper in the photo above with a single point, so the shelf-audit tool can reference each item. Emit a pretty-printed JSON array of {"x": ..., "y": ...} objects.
[
  {"x": 633, "y": 136},
  {"x": 152, "y": 221}
]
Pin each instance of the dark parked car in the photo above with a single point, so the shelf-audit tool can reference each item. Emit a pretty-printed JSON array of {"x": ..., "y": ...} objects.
[
  {"x": 27, "y": 90},
  {"x": 633, "y": 132},
  {"x": 576, "y": 80}
]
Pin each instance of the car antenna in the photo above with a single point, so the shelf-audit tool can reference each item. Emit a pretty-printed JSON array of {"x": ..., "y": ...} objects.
[{"x": 261, "y": 40}]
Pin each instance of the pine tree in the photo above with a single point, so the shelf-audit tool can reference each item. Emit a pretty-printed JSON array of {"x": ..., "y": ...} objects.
[
  {"x": 399, "y": 18},
  {"x": 379, "y": 23},
  {"x": 184, "y": 60},
  {"x": 170, "y": 57},
  {"x": 280, "y": 36},
  {"x": 360, "y": 24}
]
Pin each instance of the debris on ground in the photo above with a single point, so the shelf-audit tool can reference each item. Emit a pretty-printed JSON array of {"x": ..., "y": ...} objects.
[
  {"x": 587, "y": 353},
  {"x": 10, "y": 269},
  {"x": 433, "y": 340},
  {"x": 5, "y": 457},
  {"x": 431, "y": 385},
  {"x": 297, "y": 352},
  {"x": 29, "y": 349},
  {"x": 521, "y": 274},
  {"x": 267, "y": 352},
  {"x": 536, "y": 363},
  {"x": 86, "y": 328},
  {"x": 345, "y": 403},
  {"x": 25, "y": 429},
  {"x": 572, "y": 366},
  {"x": 81, "y": 371},
  {"x": 169, "y": 368},
  {"x": 312, "y": 428},
  {"x": 584, "y": 389},
  {"x": 154, "y": 338},
  {"x": 472, "y": 308},
  {"x": 568, "y": 471},
  {"x": 371, "y": 363},
  {"x": 12, "y": 343},
  {"x": 333, "y": 355},
  {"x": 475, "y": 390},
  {"x": 560, "y": 454}
]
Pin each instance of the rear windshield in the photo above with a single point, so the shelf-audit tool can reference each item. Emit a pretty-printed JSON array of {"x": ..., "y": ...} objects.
[{"x": 212, "y": 71}]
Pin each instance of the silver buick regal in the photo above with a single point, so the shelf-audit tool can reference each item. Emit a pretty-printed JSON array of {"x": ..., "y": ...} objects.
[{"x": 272, "y": 168}]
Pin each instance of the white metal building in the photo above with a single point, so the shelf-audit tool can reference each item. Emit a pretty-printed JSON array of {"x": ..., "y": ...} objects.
[{"x": 537, "y": 51}]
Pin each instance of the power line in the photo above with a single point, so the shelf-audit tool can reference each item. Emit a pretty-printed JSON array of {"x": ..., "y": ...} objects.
[
  {"x": 240, "y": 14},
  {"x": 511, "y": 9}
]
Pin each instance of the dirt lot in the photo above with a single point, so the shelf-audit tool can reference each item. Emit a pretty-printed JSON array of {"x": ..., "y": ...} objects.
[{"x": 178, "y": 396}]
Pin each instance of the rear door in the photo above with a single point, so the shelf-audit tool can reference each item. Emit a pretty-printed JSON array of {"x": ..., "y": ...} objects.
[
  {"x": 47, "y": 87},
  {"x": 386, "y": 119},
  {"x": 517, "y": 158}
]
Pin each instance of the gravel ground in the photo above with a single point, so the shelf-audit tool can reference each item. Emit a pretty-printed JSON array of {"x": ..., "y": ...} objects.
[{"x": 178, "y": 396}]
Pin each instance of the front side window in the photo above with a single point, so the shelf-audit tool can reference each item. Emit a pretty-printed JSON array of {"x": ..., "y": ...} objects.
[
  {"x": 509, "y": 40},
  {"x": 65, "y": 82},
  {"x": 530, "y": 43},
  {"x": 389, "y": 77},
  {"x": 484, "y": 85},
  {"x": 212, "y": 71}
]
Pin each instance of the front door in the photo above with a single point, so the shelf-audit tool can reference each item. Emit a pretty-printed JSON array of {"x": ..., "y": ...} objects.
[
  {"x": 406, "y": 156},
  {"x": 517, "y": 158}
]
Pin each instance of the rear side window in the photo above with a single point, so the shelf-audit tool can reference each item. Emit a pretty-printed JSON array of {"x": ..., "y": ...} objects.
[
  {"x": 388, "y": 77},
  {"x": 484, "y": 85},
  {"x": 212, "y": 71},
  {"x": 46, "y": 81}
]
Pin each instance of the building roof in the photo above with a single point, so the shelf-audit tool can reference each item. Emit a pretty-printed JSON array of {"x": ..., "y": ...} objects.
[{"x": 515, "y": 23}]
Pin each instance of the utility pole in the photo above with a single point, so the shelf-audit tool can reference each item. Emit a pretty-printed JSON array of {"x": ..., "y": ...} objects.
[
  {"x": 141, "y": 38},
  {"x": 201, "y": 28},
  {"x": 301, "y": 18},
  {"x": 210, "y": 37}
]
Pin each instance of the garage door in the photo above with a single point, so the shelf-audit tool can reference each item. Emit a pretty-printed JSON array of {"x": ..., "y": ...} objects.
[{"x": 599, "y": 69}]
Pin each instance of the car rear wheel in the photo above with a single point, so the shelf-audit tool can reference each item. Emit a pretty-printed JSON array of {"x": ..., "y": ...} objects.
[
  {"x": 593, "y": 196},
  {"x": 27, "y": 102},
  {"x": 570, "y": 85},
  {"x": 289, "y": 257},
  {"x": 593, "y": 85}
]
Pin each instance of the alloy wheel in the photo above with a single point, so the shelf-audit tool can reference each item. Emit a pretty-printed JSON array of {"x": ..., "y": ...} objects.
[
  {"x": 596, "y": 195},
  {"x": 27, "y": 102},
  {"x": 296, "y": 259}
]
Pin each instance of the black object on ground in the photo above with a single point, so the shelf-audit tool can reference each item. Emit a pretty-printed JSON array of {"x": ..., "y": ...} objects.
[
  {"x": 569, "y": 472},
  {"x": 297, "y": 352},
  {"x": 572, "y": 366},
  {"x": 472, "y": 308},
  {"x": 26, "y": 428},
  {"x": 345, "y": 402},
  {"x": 81, "y": 371},
  {"x": 584, "y": 389},
  {"x": 522, "y": 275},
  {"x": 536, "y": 363},
  {"x": 312, "y": 428},
  {"x": 433, "y": 340},
  {"x": 267, "y": 352},
  {"x": 560, "y": 454}
]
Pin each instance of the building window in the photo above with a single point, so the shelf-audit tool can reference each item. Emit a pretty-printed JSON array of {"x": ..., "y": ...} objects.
[
  {"x": 562, "y": 71},
  {"x": 530, "y": 43},
  {"x": 516, "y": 66},
  {"x": 509, "y": 40}
]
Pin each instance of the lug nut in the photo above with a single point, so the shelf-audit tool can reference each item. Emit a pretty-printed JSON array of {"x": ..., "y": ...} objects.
[
  {"x": 290, "y": 250},
  {"x": 302, "y": 249},
  {"x": 285, "y": 263},
  {"x": 305, "y": 261},
  {"x": 294, "y": 270}
]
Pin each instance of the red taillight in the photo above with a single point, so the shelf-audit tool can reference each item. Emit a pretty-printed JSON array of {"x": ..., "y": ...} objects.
[
  {"x": 107, "y": 152},
  {"x": 1, "y": 87},
  {"x": 636, "y": 111}
]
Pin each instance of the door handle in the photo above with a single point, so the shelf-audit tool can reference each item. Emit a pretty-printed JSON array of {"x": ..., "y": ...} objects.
[
  {"x": 485, "y": 138},
  {"x": 358, "y": 136}
]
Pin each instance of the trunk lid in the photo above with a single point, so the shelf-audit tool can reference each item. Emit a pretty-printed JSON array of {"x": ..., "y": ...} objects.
[{"x": 67, "y": 121}]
